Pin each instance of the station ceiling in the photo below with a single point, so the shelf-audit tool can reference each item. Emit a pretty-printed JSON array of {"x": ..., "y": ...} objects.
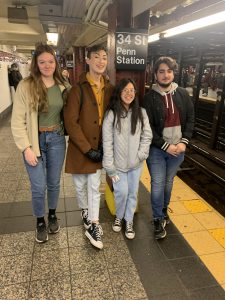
[
  {"x": 84, "y": 22},
  {"x": 207, "y": 42}
]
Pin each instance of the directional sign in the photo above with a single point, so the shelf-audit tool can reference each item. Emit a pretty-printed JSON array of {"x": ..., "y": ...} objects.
[{"x": 131, "y": 49}]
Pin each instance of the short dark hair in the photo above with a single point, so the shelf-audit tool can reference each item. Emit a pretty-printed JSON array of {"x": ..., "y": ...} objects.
[
  {"x": 14, "y": 65},
  {"x": 94, "y": 49},
  {"x": 169, "y": 61}
]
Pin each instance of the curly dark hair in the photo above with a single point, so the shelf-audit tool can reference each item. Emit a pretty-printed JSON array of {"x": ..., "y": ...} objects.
[{"x": 169, "y": 61}]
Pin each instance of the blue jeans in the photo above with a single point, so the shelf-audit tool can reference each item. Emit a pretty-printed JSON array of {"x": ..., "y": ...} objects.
[
  {"x": 162, "y": 167},
  {"x": 47, "y": 171},
  {"x": 125, "y": 192}
]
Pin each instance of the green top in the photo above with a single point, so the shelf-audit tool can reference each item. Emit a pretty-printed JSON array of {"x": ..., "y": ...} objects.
[{"x": 55, "y": 105}]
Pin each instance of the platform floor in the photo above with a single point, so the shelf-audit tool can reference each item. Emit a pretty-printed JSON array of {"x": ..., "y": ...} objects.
[{"x": 188, "y": 264}]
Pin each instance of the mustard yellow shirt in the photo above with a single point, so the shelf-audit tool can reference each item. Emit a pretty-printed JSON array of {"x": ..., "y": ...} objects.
[{"x": 99, "y": 95}]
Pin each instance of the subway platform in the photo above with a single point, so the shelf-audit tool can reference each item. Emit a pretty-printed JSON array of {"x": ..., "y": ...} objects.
[{"x": 188, "y": 264}]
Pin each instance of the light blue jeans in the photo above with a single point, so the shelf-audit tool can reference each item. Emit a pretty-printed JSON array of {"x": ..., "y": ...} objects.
[
  {"x": 46, "y": 174},
  {"x": 125, "y": 192},
  {"x": 162, "y": 168}
]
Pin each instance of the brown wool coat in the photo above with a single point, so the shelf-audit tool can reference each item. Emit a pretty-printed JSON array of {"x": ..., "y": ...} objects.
[{"x": 83, "y": 127}]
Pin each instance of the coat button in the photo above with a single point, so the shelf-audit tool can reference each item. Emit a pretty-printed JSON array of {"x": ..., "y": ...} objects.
[
  {"x": 95, "y": 122},
  {"x": 94, "y": 138}
]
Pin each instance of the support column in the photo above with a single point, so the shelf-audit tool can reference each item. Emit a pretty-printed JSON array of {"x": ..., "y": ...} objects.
[
  {"x": 68, "y": 64},
  {"x": 79, "y": 62},
  {"x": 121, "y": 15},
  {"x": 199, "y": 69}
]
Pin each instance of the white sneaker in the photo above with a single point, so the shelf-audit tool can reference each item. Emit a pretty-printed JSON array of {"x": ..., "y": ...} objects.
[
  {"x": 117, "y": 225},
  {"x": 129, "y": 232}
]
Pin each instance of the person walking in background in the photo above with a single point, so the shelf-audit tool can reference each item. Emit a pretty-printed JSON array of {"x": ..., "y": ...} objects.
[
  {"x": 66, "y": 75},
  {"x": 14, "y": 76},
  {"x": 126, "y": 139},
  {"x": 171, "y": 116},
  {"x": 38, "y": 133},
  {"x": 83, "y": 117}
]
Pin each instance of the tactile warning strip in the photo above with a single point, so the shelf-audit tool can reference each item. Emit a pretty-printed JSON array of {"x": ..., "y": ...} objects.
[
  {"x": 196, "y": 206},
  {"x": 199, "y": 223},
  {"x": 219, "y": 235}
]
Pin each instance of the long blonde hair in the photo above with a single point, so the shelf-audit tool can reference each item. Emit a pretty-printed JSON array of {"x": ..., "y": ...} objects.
[{"x": 37, "y": 88}]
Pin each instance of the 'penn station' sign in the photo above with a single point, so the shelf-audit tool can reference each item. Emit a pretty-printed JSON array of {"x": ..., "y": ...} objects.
[{"x": 131, "y": 49}]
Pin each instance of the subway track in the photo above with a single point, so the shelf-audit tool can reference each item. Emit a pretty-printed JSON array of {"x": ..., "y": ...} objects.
[{"x": 207, "y": 187}]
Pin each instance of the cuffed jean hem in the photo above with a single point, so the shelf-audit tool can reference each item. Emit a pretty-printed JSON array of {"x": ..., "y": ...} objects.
[{"x": 125, "y": 192}]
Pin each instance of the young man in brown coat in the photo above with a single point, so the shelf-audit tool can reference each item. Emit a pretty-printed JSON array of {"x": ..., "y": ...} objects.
[{"x": 83, "y": 116}]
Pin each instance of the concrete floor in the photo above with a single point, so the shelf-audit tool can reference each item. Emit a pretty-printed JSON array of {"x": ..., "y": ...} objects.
[{"x": 68, "y": 267}]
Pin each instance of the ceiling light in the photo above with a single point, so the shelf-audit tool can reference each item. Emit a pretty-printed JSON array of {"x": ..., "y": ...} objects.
[
  {"x": 52, "y": 38},
  {"x": 200, "y": 23},
  {"x": 153, "y": 37}
]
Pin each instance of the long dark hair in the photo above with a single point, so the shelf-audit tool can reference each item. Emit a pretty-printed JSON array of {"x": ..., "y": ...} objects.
[{"x": 119, "y": 111}]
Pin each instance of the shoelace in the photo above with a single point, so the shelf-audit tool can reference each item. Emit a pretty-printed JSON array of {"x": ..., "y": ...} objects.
[
  {"x": 85, "y": 214},
  {"x": 129, "y": 226},
  {"x": 117, "y": 222},
  {"x": 98, "y": 231},
  {"x": 41, "y": 227},
  {"x": 53, "y": 219}
]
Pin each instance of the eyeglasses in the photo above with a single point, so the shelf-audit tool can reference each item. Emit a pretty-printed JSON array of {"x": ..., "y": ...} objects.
[{"x": 127, "y": 91}]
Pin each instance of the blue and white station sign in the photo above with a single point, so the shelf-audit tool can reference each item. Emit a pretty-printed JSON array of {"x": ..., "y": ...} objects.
[{"x": 131, "y": 49}]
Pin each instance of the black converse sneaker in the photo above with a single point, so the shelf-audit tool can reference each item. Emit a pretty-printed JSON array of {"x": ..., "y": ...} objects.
[
  {"x": 41, "y": 233},
  {"x": 53, "y": 225},
  {"x": 129, "y": 231},
  {"x": 84, "y": 216},
  {"x": 117, "y": 225},
  {"x": 159, "y": 228},
  {"x": 94, "y": 234}
]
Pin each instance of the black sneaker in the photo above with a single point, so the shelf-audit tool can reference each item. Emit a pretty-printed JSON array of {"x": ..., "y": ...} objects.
[
  {"x": 84, "y": 216},
  {"x": 159, "y": 229},
  {"x": 117, "y": 225},
  {"x": 94, "y": 234},
  {"x": 166, "y": 216},
  {"x": 129, "y": 232},
  {"x": 53, "y": 225},
  {"x": 41, "y": 233}
]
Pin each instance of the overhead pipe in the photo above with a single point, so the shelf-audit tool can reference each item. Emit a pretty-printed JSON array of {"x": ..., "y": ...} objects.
[
  {"x": 96, "y": 10},
  {"x": 91, "y": 9},
  {"x": 104, "y": 7}
]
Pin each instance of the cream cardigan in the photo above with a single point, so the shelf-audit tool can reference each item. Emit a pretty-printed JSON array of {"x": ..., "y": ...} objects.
[{"x": 24, "y": 122}]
